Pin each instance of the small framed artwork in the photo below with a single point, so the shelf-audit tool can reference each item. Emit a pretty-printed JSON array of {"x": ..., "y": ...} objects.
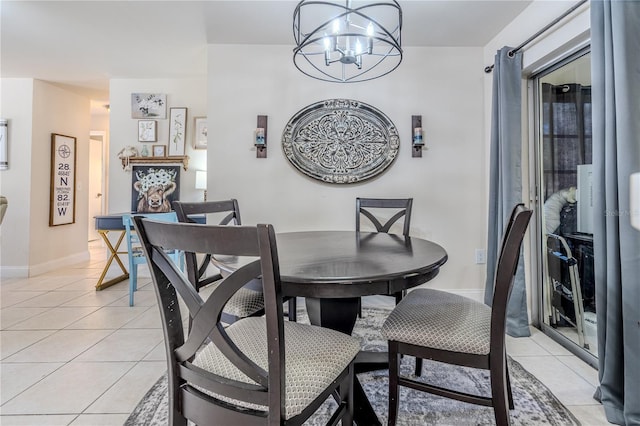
[
  {"x": 62, "y": 195},
  {"x": 159, "y": 151},
  {"x": 148, "y": 105},
  {"x": 177, "y": 130},
  {"x": 147, "y": 130},
  {"x": 200, "y": 133}
]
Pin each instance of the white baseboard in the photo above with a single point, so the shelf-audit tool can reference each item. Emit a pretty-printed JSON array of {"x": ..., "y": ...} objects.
[
  {"x": 14, "y": 272},
  {"x": 34, "y": 270}
]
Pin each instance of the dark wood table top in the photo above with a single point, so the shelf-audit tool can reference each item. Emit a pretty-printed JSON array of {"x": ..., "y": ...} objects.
[{"x": 351, "y": 264}]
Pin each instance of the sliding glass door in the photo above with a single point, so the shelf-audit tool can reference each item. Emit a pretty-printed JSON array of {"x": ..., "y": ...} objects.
[{"x": 565, "y": 240}]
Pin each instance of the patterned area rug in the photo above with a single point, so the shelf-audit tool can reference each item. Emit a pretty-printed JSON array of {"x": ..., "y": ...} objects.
[{"x": 534, "y": 403}]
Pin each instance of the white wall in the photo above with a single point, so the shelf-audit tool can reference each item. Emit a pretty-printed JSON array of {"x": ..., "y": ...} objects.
[
  {"x": 123, "y": 131},
  {"x": 444, "y": 85},
  {"x": 35, "y": 110},
  {"x": 16, "y": 106}
]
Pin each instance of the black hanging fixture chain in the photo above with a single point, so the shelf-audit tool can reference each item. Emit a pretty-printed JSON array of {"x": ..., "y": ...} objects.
[{"x": 515, "y": 50}]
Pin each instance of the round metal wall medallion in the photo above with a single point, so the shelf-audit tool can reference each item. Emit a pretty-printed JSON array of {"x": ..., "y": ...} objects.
[{"x": 340, "y": 141}]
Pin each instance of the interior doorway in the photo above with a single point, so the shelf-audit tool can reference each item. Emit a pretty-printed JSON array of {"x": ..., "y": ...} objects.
[{"x": 97, "y": 180}]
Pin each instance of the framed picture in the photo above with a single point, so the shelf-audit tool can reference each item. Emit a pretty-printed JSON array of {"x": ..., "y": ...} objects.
[
  {"x": 154, "y": 188},
  {"x": 177, "y": 130},
  {"x": 200, "y": 133},
  {"x": 147, "y": 130},
  {"x": 62, "y": 195},
  {"x": 148, "y": 105},
  {"x": 159, "y": 151}
]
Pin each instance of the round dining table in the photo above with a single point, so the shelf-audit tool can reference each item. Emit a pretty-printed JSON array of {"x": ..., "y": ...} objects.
[{"x": 333, "y": 269}]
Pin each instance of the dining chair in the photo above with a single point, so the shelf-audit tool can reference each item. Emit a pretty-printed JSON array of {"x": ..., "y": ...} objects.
[
  {"x": 134, "y": 250},
  {"x": 368, "y": 206},
  {"x": 449, "y": 328},
  {"x": 401, "y": 209},
  {"x": 258, "y": 370},
  {"x": 249, "y": 301}
]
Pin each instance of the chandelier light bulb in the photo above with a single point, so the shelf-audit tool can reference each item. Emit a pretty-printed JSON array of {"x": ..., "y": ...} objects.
[
  {"x": 336, "y": 26},
  {"x": 370, "y": 30},
  {"x": 358, "y": 47}
]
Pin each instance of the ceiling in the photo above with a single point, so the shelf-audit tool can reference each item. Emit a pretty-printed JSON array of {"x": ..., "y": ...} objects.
[{"x": 84, "y": 44}]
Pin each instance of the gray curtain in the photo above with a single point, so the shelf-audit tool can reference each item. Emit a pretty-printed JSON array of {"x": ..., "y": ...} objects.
[
  {"x": 615, "y": 68},
  {"x": 505, "y": 185}
]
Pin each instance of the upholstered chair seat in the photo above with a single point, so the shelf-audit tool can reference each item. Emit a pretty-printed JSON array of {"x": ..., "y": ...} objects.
[
  {"x": 452, "y": 329},
  {"x": 440, "y": 320},
  {"x": 314, "y": 358}
]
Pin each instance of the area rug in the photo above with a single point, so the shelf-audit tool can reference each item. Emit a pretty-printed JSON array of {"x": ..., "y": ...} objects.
[{"x": 534, "y": 403}]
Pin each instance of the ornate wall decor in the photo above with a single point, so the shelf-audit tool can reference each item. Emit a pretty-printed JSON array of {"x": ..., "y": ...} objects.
[{"x": 340, "y": 141}]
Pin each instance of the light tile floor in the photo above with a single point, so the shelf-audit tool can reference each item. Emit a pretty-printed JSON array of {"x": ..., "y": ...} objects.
[{"x": 71, "y": 355}]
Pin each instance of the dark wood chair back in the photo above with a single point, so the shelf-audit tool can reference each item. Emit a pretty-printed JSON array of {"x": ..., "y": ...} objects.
[
  {"x": 185, "y": 400},
  {"x": 403, "y": 205},
  {"x": 230, "y": 213}
]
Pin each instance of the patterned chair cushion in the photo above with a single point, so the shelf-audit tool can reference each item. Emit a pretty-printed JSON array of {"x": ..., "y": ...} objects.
[
  {"x": 244, "y": 303},
  {"x": 314, "y": 357},
  {"x": 440, "y": 320}
]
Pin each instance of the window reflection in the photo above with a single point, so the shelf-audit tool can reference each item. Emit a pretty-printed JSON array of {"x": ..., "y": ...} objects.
[{"x": 566, "y": 240}]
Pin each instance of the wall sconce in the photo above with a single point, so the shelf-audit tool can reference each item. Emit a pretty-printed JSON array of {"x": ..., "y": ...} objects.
[
  {"x": 201, "y": 181},
  {"x": 4, "y": 144},
  {"x": 261, "y": 137},
  {"x": 417, "y": 141}
]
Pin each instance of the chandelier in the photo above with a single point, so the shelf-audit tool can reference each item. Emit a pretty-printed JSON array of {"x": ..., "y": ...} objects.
[{"x": 344, "y": 42}]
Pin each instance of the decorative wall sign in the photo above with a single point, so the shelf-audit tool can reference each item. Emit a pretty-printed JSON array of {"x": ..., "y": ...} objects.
[
  {"x": 62, "y": 196},
  {"x": 340, "y": 141}
]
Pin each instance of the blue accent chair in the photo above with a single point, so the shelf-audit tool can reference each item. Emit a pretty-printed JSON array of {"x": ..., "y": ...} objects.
[{"x": 134, "y": 249}]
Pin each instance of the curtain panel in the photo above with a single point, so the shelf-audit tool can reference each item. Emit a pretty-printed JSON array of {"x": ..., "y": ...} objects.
[
  {"x": 505, "y": 179},
  {"x": 615, "y": 69}
]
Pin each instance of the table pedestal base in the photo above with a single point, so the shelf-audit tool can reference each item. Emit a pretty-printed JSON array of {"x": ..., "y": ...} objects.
[{"x": 336, "y": 314}]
